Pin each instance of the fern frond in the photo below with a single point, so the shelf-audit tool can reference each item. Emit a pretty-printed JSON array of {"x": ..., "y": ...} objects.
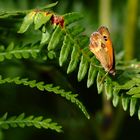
[
  {"x": 22, "y": 121},
  {"x": 48, "y": 87},
  {"x": 128, "y": 94},
  {"x": 70, "y": 38},
  {"x": 19, "y": 52},
  {"x": 70, "y": 41}
]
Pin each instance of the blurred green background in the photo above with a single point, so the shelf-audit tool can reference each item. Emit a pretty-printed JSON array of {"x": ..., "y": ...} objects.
[{"x": 123, "y": 19}]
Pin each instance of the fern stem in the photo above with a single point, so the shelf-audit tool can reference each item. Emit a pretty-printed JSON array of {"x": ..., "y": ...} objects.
[
  {"x": 129, "y": 28},
  {"x": 21, "y": 51},
  {"x": 105, "y": 12},
  {"x": 1, "y": 135}
]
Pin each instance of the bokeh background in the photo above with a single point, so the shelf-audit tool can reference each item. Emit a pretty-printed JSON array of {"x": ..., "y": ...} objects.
[{"x": 122, "y": 17}]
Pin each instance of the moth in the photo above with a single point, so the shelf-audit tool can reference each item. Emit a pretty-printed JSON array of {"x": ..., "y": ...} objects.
[{"x": 101, "y": 46}]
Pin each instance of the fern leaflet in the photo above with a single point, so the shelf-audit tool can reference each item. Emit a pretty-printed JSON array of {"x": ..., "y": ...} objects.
[
  {"x": 22, "y": 121},
  {"x": 19, "y": 52}
]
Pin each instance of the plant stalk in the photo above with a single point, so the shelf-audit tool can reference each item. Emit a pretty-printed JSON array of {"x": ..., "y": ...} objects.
[{"x": 129, "y": 28}]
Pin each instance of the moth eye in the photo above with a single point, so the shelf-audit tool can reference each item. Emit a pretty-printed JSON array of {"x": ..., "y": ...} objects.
[{"x": 105, "y": 38}]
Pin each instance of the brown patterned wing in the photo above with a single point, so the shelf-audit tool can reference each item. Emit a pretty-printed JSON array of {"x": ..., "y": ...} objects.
[
  {"x": 110, "y": 51},
  {"x": 98, "y": 47}
]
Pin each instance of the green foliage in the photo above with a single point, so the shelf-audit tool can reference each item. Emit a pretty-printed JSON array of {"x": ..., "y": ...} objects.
[
  {"x": 55, "y": 38},
  {"x": 48, "y": 87},
  {"x": 91, "y": 74},
  {"x": 22, "y": 121},
  {"x": 67, "y": 45},
  {"x": 70, "y": 41},
  {"x": 52, "y": 37},
  {"x": 28, "y": 20},
  {"x": 19, "y": 51},
  {"x": 41, "y": 19}
]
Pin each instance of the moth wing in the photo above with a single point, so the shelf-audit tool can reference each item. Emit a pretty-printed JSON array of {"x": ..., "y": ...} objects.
[
  {"x": 98, "y": 47},
  {"x": 111, "y": 57}
]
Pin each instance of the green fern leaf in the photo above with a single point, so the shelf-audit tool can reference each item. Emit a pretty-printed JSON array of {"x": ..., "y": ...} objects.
[
  {"x": 108, "y": 88},
  {"x": 25, "y": 55},
  {"x": 41, "y": 18},
  {"x": 127, "y": 85},
  {"x": 91, "y": 74},
  {"x": 28, "y": 20},
  {"x": 136, "y": 95},
  {"x": 20, "y": 117},
  {"x": 134, "y": 90},
  {"x": 21, "y": 121},
  {"x": 136, "y": 80},
  {"x": 8, "y": 56},
  {"x": 4, "y": 126},
  {"x": 83, "y": 109},
  {"x": 125, "y": 102},
  {"x": 51, "y": 54},
  {"x": 115, "y": 100},
  {"x": 1, "y": 57},
  {"x": 55, "y": 38},
  {"x": 99, "y": 82},
  {"x": 71, "y": 18},
  {"x": 132, "y": 106},
  {"x": 4, "y": 117},
  {"x": 74, "y": 60},
  {"x": 19, "y": 52},
  {"x": 10, "y": 47},
  {"x": 64, "y": 50},
  {"x": 45, "y": 37},
  {"x": 40, "y": 86},
  {"x": 29, "y": 119},
  {"x": 83, "y": 67},
  {"x": 17, "y": 55},
  {"x": 36, "y": 120},
  {"x": 76, "y": 30}
]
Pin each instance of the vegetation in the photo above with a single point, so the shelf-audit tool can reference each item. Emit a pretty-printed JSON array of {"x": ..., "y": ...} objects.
[{"x": 43, "y": 52}]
